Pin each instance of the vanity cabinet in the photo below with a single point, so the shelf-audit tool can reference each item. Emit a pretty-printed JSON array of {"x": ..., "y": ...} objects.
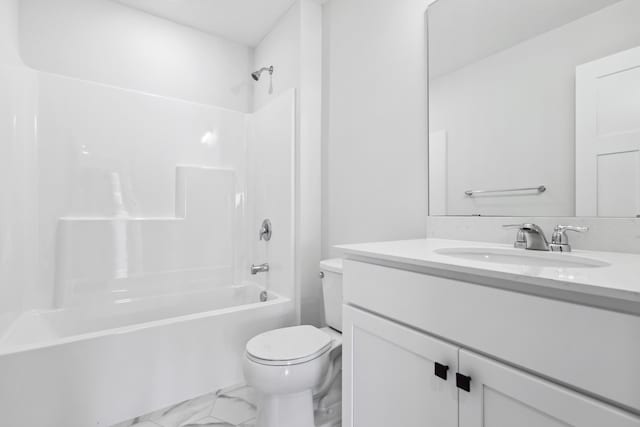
[
  {"x": 397, "y": 376},
  {"x": 391, "y": 370},
  {"x": 525, "y": 360}
]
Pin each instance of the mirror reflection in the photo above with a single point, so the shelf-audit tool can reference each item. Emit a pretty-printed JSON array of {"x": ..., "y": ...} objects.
[{"x": 534, "y": 107}]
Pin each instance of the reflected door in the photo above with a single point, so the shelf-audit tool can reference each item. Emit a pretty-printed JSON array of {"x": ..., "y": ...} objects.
[{"x": 608, "y": 136}]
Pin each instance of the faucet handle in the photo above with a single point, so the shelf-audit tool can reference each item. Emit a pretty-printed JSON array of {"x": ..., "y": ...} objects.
[
  {"x": 559, "y": 239},
  {"x": 578, "y": 229}
]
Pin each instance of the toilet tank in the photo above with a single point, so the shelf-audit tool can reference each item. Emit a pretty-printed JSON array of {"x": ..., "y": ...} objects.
[{"x": 331, "y": 273}]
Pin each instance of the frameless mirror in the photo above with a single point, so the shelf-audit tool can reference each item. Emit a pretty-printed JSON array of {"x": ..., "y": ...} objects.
[{"x": 534, "y": 107}]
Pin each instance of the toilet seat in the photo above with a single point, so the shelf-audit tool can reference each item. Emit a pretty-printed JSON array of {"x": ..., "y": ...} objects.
[{"x": 289, "y": 346}]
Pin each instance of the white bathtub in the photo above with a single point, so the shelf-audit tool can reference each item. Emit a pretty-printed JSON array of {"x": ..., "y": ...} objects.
[{"x": 96, "y": 367}]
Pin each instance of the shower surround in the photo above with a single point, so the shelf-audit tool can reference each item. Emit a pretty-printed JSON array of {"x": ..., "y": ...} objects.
[{"x": 136, "y": 217}]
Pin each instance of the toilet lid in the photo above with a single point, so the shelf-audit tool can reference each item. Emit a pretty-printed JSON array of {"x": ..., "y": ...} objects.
[{"x": 297, "y": 344}]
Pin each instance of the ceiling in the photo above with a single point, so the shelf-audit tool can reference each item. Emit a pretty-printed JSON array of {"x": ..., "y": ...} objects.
[
  {"x": 242, "y": 21},
  {"x": 464, "y": 31}
]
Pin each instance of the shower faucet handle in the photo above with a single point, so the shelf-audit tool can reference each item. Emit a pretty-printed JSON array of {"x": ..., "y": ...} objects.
[{"x": 265, "y": 230}]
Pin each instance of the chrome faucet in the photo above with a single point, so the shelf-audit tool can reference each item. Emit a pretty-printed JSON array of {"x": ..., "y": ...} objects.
[
  {"x": 530, "y": 237},
  {"x": 262, "y": 268},
  {"x": 559, "y": 239}
]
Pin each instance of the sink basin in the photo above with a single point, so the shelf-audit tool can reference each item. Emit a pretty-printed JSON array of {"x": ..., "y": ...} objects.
[{"x": 522, "y": 257}]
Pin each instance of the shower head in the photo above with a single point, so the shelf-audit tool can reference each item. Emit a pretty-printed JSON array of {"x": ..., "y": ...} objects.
[{"x": 256, "y": 75}]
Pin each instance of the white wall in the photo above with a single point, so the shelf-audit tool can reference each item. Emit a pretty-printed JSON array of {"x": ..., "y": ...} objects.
[
  {"x": 375, "y": 183},
  {"x": 103, "y": 41},
  {"x": 309, "y": 160},
  {"x": 514, "y": 112},
  {"x": 280, "y": 48},
  {"x": 9, "y": 50}
]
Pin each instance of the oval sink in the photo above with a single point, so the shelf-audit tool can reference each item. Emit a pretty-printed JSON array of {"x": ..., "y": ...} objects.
[{"x": 522, "y": 257}]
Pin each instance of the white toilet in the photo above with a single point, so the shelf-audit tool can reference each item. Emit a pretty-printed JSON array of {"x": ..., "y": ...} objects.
[{"x": 289, "y": 366}]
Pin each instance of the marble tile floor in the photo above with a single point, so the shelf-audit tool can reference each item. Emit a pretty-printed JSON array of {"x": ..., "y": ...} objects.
[{"x": 230, "y": 407}]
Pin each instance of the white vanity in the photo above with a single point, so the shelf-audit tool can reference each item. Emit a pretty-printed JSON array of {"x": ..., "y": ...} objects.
[{"x": 448, "y": 333}]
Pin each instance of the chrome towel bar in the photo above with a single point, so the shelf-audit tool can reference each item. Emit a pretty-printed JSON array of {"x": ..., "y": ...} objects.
[{"x": 540, "y": 189}]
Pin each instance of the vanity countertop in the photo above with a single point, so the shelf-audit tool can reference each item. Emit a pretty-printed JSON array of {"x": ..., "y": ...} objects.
[{"x": 620, "y": 280}]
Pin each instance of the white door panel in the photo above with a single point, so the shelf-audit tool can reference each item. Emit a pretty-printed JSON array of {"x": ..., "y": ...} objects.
[
  {"x": 608, "y": 136},
  {"x": 618, "y": 176}
]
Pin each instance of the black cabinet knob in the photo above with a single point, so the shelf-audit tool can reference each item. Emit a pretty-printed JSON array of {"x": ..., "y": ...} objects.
[
  {"x": 440, "y": 370},
  {"x": 463, "y": 382}
]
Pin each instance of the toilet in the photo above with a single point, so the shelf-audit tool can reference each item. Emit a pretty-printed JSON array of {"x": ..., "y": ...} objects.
[{"x": 289, "y": 367}]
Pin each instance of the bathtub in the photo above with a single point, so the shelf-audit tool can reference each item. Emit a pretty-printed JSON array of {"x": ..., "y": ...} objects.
[{"x": 81, "y": 367}]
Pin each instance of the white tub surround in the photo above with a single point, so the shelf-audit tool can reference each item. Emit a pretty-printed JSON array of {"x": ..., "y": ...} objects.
[
  {"x": 115, "y": 190},
  {"x": 99, "y": 368},
  {"x": 531, "y": 338},
  {"x": 41, "y": 328},
  {"x": 121, "y": 179},
  {"x": 127, "y": 289},
  {"x": 18, "y": 183},
  {"x": 271, "y": 187},
  {"x": 190, "y": 251}
]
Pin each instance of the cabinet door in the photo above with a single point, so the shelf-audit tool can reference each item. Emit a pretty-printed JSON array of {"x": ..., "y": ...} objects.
[
  {"x": 501, "y": 396},
  {"x": 389, "y": 375}
]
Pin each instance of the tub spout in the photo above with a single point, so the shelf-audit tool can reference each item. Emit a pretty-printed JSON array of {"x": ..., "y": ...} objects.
[{"x": 262, "y": 268}]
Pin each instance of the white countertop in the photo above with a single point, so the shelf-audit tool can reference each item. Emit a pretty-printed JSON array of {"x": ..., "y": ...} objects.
[{"x": 620, "y": 280}]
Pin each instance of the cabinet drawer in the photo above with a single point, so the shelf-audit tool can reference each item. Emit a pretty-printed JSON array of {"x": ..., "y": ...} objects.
[{"x": 594, "y": 350}]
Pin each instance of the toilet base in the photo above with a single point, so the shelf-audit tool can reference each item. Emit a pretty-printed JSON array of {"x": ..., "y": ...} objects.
[{"x": 288, "y": 410}]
